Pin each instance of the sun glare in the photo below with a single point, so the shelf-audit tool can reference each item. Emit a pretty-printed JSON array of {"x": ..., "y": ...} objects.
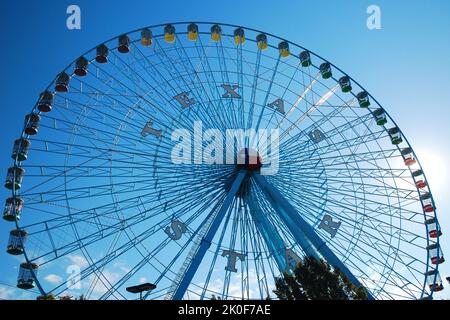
[{"x": 435, "y": 168}]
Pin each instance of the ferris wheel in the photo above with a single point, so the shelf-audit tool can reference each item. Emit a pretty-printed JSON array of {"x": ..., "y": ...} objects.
[{"x": 114, "y": 180}]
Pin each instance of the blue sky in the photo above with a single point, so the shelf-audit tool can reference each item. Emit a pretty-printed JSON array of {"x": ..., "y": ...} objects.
[{"x": 405, "y": 65}]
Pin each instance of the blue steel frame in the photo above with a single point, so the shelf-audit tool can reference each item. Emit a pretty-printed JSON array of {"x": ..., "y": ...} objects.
[
  {"x": 206, "y": 241},
  {"x": 302, "y": 230},
  {"x": 281, "y": 205}
]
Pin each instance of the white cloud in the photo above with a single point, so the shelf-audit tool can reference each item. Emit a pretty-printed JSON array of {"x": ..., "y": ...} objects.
[
  {"x": 53, "y": 278},
  {"x": 122, "y": 266},
  {"x": 142, "y": 280},
  {"x": 78, "y": 260},
  {"x": 100, "y": 284},
  {"x": 235, "y": 287},
  {"x": 6, "y": 293}
]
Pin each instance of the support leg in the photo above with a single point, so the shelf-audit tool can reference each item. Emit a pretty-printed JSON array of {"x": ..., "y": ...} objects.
[
  {"x": 206, "y": 241},
  {"x": 298, "y": 226}
]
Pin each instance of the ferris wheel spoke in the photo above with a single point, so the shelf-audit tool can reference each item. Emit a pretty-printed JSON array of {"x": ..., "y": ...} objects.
[
  {"x": 196, "y": 239},
  {"x": 126, "y": 102},
  {"x": 360, "y": 248},
  {"x": 88, "y": 130},
  {"x": 231, "y": 107},
  {"x": 136, "y": 241},
  {"x": 240, "y": 82},
  {"x": 91, "y": 269},
  {"x": 86, "y": 190},
  {"x": 367, "y": 222},
  {"x": 272, "y": 218},
  {"x": 127, "y": 90},
  {"x": 268, "y": 91},
  {"x": 201, "y": 92},
  {"x": 203, "y": 247},
  {"x": 166, "y": 60},
  {"x": 140, "y": 215},
  {"x": 276, "y": 111},
  {"x": 212, "y": 83},
  {"x": 253, "y": 89},
  {"x": 334, "y": 132},
  {"x": 351, "y": 197},
  {"x": 306, "y": 89},
  {"x": 311, "y": 110},
  {"x": 338, "y": 182},
  {"x": 329, "y": 135},
  {"x": 382, "y": 227},
  {"x": 214, "y": 258},
  {"x": 216, "y": 120},
  {"x": 236, "y": 212},
  {"x": 259, "y": 262},
  {"x": 387, "y": 275}
]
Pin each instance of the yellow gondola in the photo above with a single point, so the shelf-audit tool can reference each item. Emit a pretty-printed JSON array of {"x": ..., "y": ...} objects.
[
  {"x": 192, "y": 32},
  {"x": 216, "y": 32},
  {"x": 239, "y": 37},
  {"x": 283, "y": 47},
  {"x": 169, "y": 33},
  {"x": 261, "y": 40},
  {"x": 146, "y": 37}
]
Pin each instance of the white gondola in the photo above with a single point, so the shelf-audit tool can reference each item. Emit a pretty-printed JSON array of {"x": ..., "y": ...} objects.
[
  {"x": 20, "y": 149},
  {"x": 345, "y": 83},
  {"x": 62, "y": 82},
  {"x": 102, "y": 52},
  {"x": 435, "y": 254},
  {"x": 124, "y": 44},
  {"x": 305, "y": 58},
  {"x": 434, "y": 281},
  {"x": 363, "y": 99},
  {"x": 14, "y": 178},
  {"x": 81, "y": 66},
  {"x": 380, "y": 117},
  {"x": 395, "y": 135},
  {"x": 325, "y": 70},
  {"x": 427, "y": 202},
  {"x": 13, "y": 209},
  {"x": 25, "y": 280},
  {"x": 419, "y": 179},
  {"x": 46, "y": 101},
  {"x": 32, "y": 123},
  {"x": 434, "y": 230},
  {"x": 408, "y": 156},
  {"x": 16, "y": 241}
]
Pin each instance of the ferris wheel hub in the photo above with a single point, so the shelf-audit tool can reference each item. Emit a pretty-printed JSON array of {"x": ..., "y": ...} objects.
[{"x": 249, "y": 159}]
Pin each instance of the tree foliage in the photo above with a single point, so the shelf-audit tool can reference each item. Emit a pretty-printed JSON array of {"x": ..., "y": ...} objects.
[
  {"x": 314, "y": 279},
  {"x": 51, "y": 296}
]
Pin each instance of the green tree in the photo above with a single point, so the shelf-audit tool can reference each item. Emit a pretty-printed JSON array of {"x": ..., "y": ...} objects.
[
  {"x": 314, "y": 279},
  {"x": 46, "y": 297}
]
